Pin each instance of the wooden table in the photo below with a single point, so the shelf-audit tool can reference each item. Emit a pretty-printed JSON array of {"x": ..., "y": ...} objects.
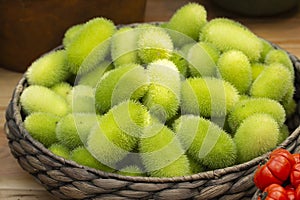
[{"x": 16, "y": 184}]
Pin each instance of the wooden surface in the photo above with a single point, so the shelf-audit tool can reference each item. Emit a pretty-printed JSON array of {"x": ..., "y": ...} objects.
[{"x": 16, "y": 184}]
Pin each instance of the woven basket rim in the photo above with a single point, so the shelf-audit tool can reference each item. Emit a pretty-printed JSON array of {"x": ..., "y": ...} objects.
[{"x": 212, "y": 174}]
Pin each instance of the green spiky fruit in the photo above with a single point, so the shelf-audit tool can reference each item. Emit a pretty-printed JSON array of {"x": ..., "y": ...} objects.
[
  {"x": 280, "y": 56},
  {"x": 48, "y": 70},
  {"x": 159, "y": 143},
  {"x": 207, "y": 97},
  {"x": 73, "y": 129},
  {"x": 93, "y": 77},
  {"x": 206, "y": 142},
  {"x": 121, "y": 84},
  {"x": 245, "y": 108},
  {"x": 235, "y": 68},
  {"x": 227, "y": 34},
  {"x": 41, "y": 99},
  {"x": 71, "y": 33},
  {"x": 266, "y": 48},
  {"x": 131, "y": 170},
  {"x": 41, "y": 126},
  {"x": 90, "y": 46},
  {"x": 161, "y": 101},
  {"x": 83, "y": 157},
  {"x": 202, "y": 58},
  {"x": 153, "y": 44},
  {"x": 264, "y": 85},
  {"x": 118, "y": 132},
  {"x": 82, "y": 99},
  {"x": 63, "y": 89},
  {"x": 124, "y": 46},
  {"x": 187, "y": 20},
  {"x": 60, "y": 150},
  {"x": 257, "y": 69},
  {"x": 283, "y": 133},
  {"x": 163, "y": 94},
  {"x": 257, "y": 135}
]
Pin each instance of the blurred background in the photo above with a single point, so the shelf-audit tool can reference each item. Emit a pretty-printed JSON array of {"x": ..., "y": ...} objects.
[{"x": 29, "y": 28}]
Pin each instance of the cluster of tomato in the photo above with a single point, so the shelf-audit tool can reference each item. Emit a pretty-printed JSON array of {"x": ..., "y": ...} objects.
[{"x": 279, "y": 178}]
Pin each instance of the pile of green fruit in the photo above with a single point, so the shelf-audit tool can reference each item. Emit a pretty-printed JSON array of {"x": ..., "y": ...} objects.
[{"x": 161, "y": 100}]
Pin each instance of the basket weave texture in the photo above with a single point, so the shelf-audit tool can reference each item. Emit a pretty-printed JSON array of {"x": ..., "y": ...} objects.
[{"x": 67, "y": 180}]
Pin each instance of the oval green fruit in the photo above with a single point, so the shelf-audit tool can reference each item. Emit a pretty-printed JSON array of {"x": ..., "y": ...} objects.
[
  {"x": 256, "y": 135},
  {"x": 235, "y": 68},
  {"x": 207, "y": 97},
  {"x": 41, "y": 99},
  {"x": 227, "y": 34},
  {"x": 48, "y": 70},
  {"x": 245, "y": 108},
  {"x": 41, "y": 126}
]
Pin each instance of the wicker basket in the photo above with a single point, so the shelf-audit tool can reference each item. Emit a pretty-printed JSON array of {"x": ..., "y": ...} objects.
[{"x": 67, "y": 180}]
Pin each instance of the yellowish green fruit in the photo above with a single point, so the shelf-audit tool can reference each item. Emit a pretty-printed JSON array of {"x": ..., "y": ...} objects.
[
  {"x": 206, "y": 142},
  {"x": 202, "y": 58},
  {"x": 124, "y": 46},
  {"x": 82, "y": 99},
  {"x": 256, "y": 135},
  {"x": 83, "y": 157},
  {"x": 281, "y": 57},
  {"x": 41, "y": 99},
  {"x": 153, "y": 44},
  {"x": 163, "y": 94},
  {"x": 90, "y": 46},
  {"x": 273, "y": 82},
  {"x": 207, "y": 97},
  {"x": 71, "y": 33},
  {"x": 118, "y": 132},
  {"x": 93, "y": 77},
  {"x": 162, "y": 154},
  {"x": 63, "y": 89},
  {"x": 73, "y": 129},
  {"x": 257, "y": 68},
  {"x": 48, "y": 70},
  {"x": 235, "y": 68},
  {"x": 245, "y": 108},
  {"x": 41, "y": 126},
  {"x": 187, "y": 20},
  {"x": 121, "y": 84},
  {"x": 227, "y": 34},
  {"x": 60, "y": 150}
]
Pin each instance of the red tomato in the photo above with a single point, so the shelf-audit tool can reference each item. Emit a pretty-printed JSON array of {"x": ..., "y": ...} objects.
[
  {"x": 280, "y": 167},
  {"x": 275, "y": 192},
  {"x": 297, "y": 157},
  {"x": 263, "y": 177},
  {"x": 285, "y": 153},
  {"x": 276, "y": 170},
  {"x": 295, "y": 175}
]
